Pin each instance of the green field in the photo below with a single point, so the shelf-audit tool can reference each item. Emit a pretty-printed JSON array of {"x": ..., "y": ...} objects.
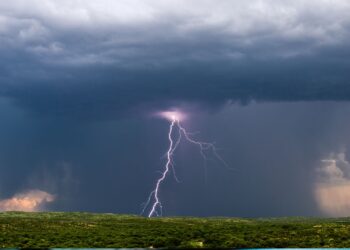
[{"x": 59, "y": 229}]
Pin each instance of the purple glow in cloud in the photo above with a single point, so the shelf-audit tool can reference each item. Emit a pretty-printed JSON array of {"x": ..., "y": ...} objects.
[{"x": 153, "y": 202}]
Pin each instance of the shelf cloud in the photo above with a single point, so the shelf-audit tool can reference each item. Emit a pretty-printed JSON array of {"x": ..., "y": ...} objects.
[{"x": 65, "y": 57}]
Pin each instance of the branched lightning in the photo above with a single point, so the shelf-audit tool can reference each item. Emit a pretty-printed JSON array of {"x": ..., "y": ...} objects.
[{"x": 153, "y": 202}]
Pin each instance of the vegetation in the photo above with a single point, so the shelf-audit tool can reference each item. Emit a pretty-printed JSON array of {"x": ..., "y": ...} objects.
[{"x": 60, "y": 229}]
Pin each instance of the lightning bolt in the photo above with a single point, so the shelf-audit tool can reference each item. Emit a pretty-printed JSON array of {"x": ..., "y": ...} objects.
[{"x": 153, "y": 202}]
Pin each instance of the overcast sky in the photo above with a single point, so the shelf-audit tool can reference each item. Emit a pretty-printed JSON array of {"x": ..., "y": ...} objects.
[
  {"x": 78, "y": 56},
  {"x": 76, "y": 74}
]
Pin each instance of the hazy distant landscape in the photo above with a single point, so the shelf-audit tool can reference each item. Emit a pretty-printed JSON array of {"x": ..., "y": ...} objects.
[{"x": 59, "y": 229}]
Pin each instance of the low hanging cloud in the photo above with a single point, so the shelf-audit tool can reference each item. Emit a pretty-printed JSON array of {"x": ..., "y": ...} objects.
[
  {"x": 102, "y": 59},
  {"x": 30, "y": 201},
  {"x": 105, "y": 59},
  {"x": 332, "y": 190}
]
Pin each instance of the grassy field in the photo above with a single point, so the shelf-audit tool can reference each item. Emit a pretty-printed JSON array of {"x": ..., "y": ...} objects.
[{"x": 58, "y": 229}]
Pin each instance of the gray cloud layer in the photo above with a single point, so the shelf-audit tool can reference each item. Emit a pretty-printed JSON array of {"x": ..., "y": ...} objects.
[
  {"x": 107, "y": 59},
  {"x": 78, "y": 33},
  {"x": 116, "y": 56}
]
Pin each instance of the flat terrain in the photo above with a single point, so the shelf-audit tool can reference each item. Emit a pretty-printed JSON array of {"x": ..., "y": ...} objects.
[{"x": 59, "y": 229}]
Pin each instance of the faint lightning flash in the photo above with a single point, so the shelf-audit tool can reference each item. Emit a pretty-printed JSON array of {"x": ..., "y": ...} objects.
[{"x": 153, "y": 202}]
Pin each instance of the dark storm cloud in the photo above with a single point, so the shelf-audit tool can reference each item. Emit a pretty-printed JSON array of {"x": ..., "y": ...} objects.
[
  {"x": 104, "y": 59},
  {"x": 72, "y": 61}
]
